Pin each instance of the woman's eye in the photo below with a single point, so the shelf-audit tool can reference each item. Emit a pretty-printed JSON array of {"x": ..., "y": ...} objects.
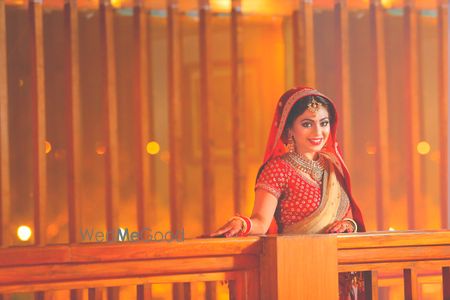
[
  {"x": 306, "y": 125},
  {"x": 324, "y": 123}
]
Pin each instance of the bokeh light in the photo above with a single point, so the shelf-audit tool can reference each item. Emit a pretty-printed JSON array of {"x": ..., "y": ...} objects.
[
  {"x": 423, "y": 148},
  {"x": 100, "y": 150},
  {"x": 153, "y": 148},
  {"x": 48, "y": 147},
  {"x": 24, "y": 233},
  {"x": 371, "y": 149}
]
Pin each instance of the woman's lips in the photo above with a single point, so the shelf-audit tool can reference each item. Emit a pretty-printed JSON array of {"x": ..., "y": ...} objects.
[{"x": 316, "y": 141}]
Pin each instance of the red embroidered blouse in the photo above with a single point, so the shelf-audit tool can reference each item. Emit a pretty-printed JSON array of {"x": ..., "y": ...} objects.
[{"x": 297, "y": 194}]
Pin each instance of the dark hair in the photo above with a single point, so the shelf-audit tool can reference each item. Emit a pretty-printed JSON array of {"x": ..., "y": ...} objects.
[{"x": 300, "y": 107}]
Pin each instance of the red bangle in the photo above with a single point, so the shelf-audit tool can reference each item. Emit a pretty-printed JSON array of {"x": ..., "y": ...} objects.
[{"x": 249, "y": 224}]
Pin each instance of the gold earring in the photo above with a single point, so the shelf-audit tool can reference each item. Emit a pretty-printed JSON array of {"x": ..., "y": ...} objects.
[{"x": 291, "y": 144}]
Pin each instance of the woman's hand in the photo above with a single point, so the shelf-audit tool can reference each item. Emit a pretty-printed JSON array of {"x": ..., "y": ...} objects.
[
  {"x": 340, "y": 227},
  {"x": 232, "y": 228}
]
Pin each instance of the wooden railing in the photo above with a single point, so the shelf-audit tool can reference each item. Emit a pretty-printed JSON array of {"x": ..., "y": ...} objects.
[{"x": 269, "y": 267}]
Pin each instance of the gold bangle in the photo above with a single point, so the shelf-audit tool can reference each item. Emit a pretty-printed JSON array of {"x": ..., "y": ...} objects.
[{"x": 355, "y": 225}]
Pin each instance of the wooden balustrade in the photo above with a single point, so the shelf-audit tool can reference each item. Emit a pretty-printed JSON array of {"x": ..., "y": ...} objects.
[{"x": 268, "y": 267}]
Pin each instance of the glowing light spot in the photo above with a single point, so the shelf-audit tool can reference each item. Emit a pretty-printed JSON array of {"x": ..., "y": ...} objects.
[
  {"x": 24, "y": 233},
  {"x": 386, "y": 3},
  {"x": 153, "y": 148},
  {"x": 371, "y": 149},
  {"x": 391, "y": 229},
  {"x": 423, "y": 148},
  {"x": 100, "y": 150},
  {"x": 21, "y": 82},
  {"x": 48, "y": 147},
  {"x": 116, "y": 3},
  {"x": 221, "y": 5}
]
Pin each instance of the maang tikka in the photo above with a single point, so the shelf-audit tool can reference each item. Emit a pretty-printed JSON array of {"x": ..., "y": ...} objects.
[{"x": 314, "y": 105}]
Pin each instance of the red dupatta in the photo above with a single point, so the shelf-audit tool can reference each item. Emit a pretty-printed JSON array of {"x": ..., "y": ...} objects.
[{"x": 275, "y": 146}]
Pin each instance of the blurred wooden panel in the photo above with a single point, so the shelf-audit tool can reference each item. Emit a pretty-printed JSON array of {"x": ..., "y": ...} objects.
[
  {"x": 73, "y": 118},
  {"x": 143, "y": 130},
  {"x": 443, "y": 110},
  {"x": 112, "y": 179},
  {"x": 303, "y": 43},
  {"x": 5, "y": 177},
  {"x": 416, "y": 207},
  {"x": 206, "y": 102},
  {"x": 237, "y": 109},
  {"x": 39, "y": 122},
  {"x": 382, "y": 177},
  {"x": 175, "y": 131},
  {"x": 343, "y": 76},
  {"x": 276, "y": 7},
  {"x": 175, "y": 125},
  {"x": 111, "y": 126},
  {"x": 143, "y": 118}
]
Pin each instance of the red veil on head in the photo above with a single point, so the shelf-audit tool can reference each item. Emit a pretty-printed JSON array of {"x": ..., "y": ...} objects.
[{"x": 275, "y": 146}]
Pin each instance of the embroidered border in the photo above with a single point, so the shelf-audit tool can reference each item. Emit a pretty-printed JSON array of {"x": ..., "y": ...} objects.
[{"x": 269, "y": 189}]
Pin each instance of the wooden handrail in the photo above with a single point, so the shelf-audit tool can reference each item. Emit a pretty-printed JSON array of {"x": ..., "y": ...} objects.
[{"x": 300, "y": 266}]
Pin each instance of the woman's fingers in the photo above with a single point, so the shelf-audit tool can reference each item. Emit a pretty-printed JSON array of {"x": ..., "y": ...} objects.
[
  {"x": 229, "y": 229},
  {"x": 337, "y": 227}
]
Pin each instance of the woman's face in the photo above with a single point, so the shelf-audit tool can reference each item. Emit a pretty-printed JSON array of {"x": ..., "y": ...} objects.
[{"x": 310, "y": 131}]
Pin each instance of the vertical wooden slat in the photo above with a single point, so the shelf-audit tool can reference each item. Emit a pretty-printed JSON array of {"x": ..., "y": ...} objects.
[
  {"x": 443, "y": 109},
  {"x": 144, "y": 292},
  {"x": 343, "y": 76},
  {"x": 143, "y": 130},
  {"x": 143, "y": 120},
  {"x": 95, "y": 294},
  {"x": 5, "y": 180},
  {"x": 111, "y": 124},
  {"x": 205, "y": 103},
  {"x": 73, "y": 124},
  {"x": 446, "y": 283},
  {"x": 303, "y": 44},
  {"x": 237, "y": 287},
  {"x": 238, "y": 144},
  {"x": 413, "y": 117},
  {"x": 73, "y": 117},
  {"x": 410, "y": 284},
  {"x": 174, "y": 55},
  {"x": 252, "y": 284},
  {"x": 38, "y": 100},
  {"x": 371, "y": 285},
  {"x": 381, "y": 112},
  {"x": 175, "y": 131},
  {"x": 208, "y": 201}
]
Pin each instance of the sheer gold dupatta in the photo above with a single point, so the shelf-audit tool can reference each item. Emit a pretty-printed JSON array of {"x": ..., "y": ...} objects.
[{"x": 333, "y": 206}]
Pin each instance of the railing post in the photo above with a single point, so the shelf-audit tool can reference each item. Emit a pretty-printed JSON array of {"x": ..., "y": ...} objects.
[
  {"x": 446, "y": 283},
  {"x": 410, "y": 284},
  {"x": 299, "y": 267},
  {"x": 371, "y": 285}
]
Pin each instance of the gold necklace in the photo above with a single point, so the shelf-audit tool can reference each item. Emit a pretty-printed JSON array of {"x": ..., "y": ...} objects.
[{"x": 313, "y": 168}]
